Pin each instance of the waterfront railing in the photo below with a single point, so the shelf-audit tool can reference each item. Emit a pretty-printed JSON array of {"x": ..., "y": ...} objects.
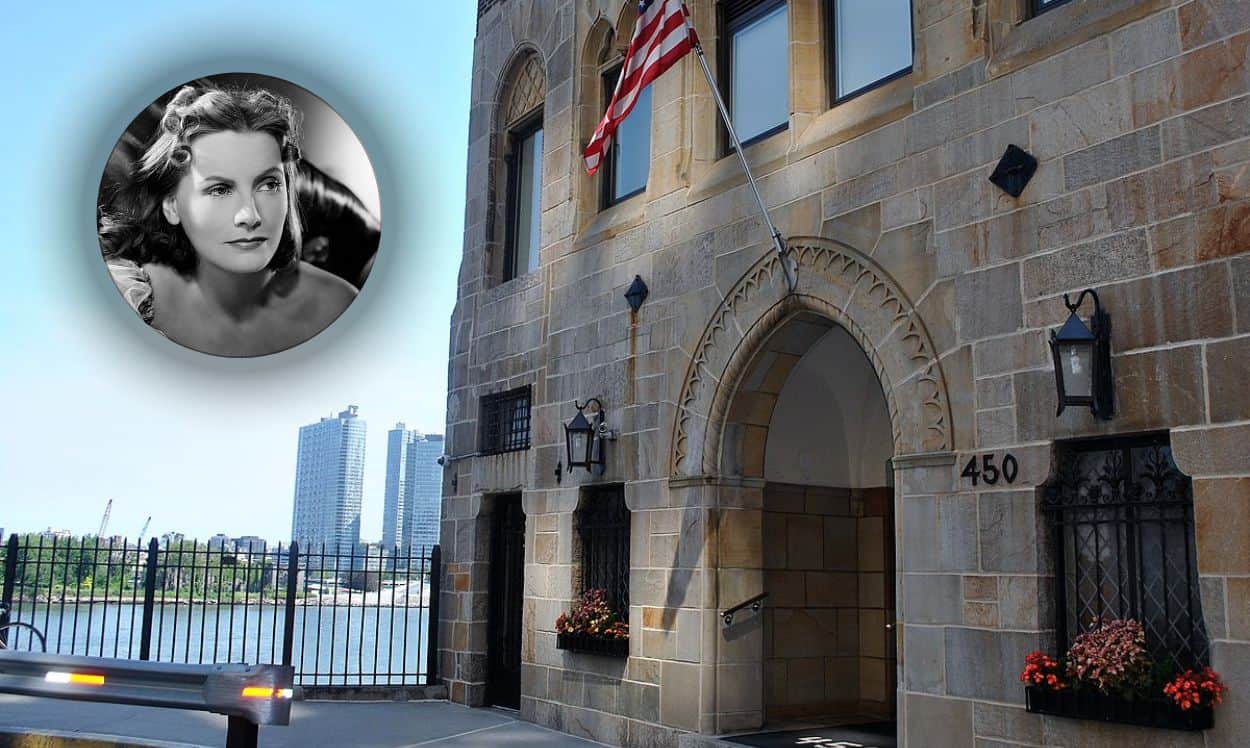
[{"x": 344, "y": 616}]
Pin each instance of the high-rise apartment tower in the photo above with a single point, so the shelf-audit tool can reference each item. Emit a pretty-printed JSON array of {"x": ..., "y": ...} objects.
[
  {"x": 329, "y": 480},
  {"x": 413, "y": 489}
]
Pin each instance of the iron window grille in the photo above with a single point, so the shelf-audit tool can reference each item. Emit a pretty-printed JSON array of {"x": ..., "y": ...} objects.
[
  {"x": 1121, "y": 521},
  {"x": 505, "y": 421},
  {"x": 603, "y": 526}
]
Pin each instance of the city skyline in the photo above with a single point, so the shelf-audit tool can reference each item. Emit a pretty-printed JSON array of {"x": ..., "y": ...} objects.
[{"x": 207, "y": 532}]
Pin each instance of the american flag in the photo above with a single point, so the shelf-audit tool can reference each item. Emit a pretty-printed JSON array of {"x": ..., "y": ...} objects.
[{"x": 661, "y": 37}]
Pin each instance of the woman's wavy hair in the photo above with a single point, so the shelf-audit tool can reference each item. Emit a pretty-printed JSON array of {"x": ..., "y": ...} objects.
[{"x": 132, "y": 225}]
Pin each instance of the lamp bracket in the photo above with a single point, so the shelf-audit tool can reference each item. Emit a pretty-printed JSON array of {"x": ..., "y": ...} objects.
[
  {"x": 595, "y": 400},
  {"x": 1081, "y": 300}
]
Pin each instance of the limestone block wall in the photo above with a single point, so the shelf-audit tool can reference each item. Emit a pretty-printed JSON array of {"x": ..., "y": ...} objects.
[
  {"x": 826, "y": 645},
  {"x": 1139, "y": 113}
]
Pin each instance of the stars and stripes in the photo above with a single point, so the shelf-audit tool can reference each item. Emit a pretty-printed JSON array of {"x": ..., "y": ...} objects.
[{"x": 661, "y": 36}]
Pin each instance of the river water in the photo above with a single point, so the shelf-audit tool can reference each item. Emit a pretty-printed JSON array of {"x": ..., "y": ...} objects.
[{"x": 353, "y": 646}]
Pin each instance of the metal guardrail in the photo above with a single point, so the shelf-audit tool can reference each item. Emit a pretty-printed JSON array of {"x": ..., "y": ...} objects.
[
  {"x": 341, "y": 617},
  {"x": 250, "y": 695}
]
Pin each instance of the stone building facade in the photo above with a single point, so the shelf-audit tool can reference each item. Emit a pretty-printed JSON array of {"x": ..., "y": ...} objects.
[{"x": 815, "y": 444}]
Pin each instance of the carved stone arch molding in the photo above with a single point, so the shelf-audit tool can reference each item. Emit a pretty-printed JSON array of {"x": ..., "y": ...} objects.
[{"x": 837, "y": 283}]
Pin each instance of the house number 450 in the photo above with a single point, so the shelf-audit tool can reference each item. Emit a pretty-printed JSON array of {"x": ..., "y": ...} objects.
[{"x": 983, "y": 468}]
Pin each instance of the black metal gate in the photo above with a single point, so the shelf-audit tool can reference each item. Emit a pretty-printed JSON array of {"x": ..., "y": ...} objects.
[{"x": 507, "y": 577}]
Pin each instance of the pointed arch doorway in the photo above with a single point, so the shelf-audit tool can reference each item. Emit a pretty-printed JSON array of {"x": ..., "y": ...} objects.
[
  {"x": 748, "y": 412},
  {"x": 823, "y": 425},
  {"x": 809, "y": 427}
]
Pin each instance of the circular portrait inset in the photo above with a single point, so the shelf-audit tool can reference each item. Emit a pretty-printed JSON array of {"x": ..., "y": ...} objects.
[{"x": 239, "y": 215}]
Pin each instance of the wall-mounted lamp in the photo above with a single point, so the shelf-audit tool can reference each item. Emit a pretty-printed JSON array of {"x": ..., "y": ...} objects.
[
  {"x": 1083, "y": 359},
  {"x": 584, "y": 439}
]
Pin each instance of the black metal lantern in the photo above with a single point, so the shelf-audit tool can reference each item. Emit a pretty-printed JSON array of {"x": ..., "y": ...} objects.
[
  {"x": 583, "y": 438},
  {"x": 1083, "y": 359}
]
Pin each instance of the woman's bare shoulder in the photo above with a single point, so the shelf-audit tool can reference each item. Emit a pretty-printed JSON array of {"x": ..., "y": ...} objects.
[
  {"x": 168, "y": 289},
  {"x": 325, "y": 284},
  {"x": 319, "y": 296}
]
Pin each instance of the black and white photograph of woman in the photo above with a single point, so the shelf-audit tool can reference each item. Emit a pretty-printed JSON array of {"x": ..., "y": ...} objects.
[{"x": 239, "y": 215}]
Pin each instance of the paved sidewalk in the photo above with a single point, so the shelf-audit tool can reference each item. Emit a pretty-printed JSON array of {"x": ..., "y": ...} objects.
[{"x": 372, "y": 724}]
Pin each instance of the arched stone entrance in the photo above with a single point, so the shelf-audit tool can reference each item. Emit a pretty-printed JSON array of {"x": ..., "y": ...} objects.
[{"x": 727, "y": 417}]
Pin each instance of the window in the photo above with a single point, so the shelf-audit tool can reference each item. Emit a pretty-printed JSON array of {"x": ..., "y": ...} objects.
[
  {"x": 1041, "y": 6},
  {"x": 871, "y": 44},
  {"x": 504, "y": 421},
  {"x": 603, "y": 529},
  {"x": 625, "y": 169},
  {"x": 755, "y": 63},
  {"x": 1121, "y": 519},
  {"x": 525, "y": 182}
]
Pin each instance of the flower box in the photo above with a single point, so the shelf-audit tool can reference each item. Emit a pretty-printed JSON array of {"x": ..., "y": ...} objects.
[
  {"x": 1094, "y": 705},
  {"x": 590, "y": 644}
]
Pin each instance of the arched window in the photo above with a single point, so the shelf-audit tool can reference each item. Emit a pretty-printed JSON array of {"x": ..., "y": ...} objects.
[
  {"x": 521, "y": 147},
  {"x": 1121, "y": 519},
  {"x": 624, "y": 172},
  {"x": 627, "y": 162}
]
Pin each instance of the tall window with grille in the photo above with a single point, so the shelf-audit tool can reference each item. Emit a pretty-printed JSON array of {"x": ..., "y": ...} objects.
[
  {"x": 504, "y": 421},
  {"x": 1120, "y": 516},
  {"x": 603, "y": 532}
]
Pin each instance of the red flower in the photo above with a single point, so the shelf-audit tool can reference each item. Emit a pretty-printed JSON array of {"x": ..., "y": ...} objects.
[
  {"x": 1042, "y": 670},
  {"x": 1192, "y": 689}
]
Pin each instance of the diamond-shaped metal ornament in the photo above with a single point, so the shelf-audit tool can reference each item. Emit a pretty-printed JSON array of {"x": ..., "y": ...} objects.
[
  {"x": 1014, "y": 170},
  {"x": 637, "y": 293}
]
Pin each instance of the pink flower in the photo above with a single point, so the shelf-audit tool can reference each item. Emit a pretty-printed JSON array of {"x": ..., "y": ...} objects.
[
  {"x": 593, "y": 616},
  {"x": 1112, "y": 656}
]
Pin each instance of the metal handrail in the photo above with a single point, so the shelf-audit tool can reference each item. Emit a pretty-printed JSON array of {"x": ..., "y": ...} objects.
[{"x": 754, "y": 603}]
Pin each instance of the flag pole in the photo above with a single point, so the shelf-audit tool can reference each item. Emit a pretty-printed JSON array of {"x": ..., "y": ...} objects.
[{"x": 787, "y": 264}]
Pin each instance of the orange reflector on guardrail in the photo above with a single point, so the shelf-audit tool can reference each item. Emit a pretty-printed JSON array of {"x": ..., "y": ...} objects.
[
  {"x": 265, "y": 692},
  {"x": 83, "y": 679}
]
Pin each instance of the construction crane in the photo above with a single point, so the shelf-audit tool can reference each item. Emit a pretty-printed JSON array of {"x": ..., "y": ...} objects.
[
  {"x": 104, "y": 522},
  {"x": 144, "y": 531}
]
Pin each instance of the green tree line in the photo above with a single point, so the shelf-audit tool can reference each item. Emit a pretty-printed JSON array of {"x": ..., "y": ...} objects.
[{"x": 84, "y": 569}]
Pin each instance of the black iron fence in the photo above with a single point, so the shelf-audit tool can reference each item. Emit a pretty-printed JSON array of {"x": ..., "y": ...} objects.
[{"x": 344, "y": 617}]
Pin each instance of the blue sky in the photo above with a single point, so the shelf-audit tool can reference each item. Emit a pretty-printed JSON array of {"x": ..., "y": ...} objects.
[{"x": 101, "y": 408}]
